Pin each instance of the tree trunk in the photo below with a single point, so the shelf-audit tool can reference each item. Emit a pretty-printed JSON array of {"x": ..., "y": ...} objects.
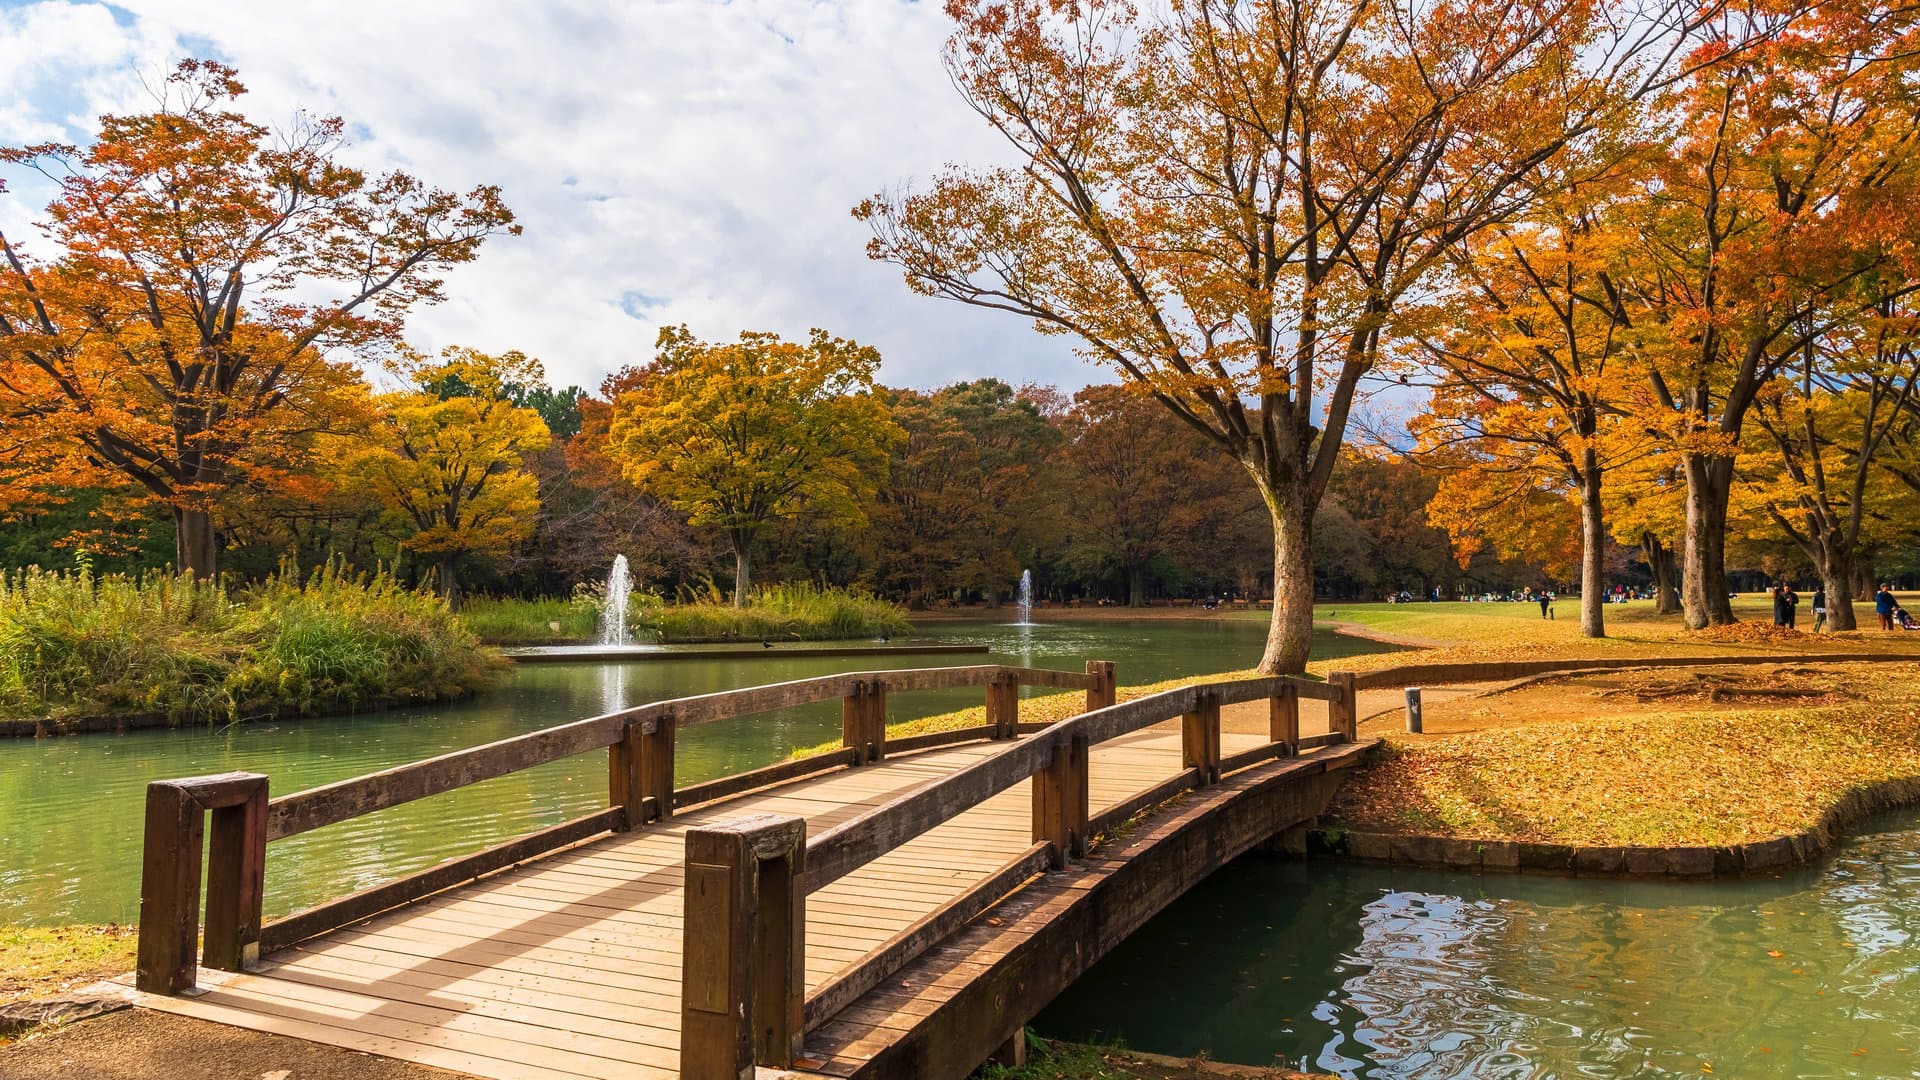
[
  {"x": 196, "y": 546},
  {"x": 1659, "y": 560},
  {"x": 1136, "y": 586},
  {"x": 1703, "y": 575},
  {"x": 742, "y": 546},
  {"x": 1290, "y": 634},
  {"x": 449, "y": 585},
  {"x": 1837, "y": 580},
  {"x": 1863, "y": 581},
  {"x": 1593, "y": 553}
]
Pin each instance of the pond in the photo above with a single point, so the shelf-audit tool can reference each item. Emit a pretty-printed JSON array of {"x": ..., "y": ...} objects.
[
  {"x": 1365, "y": 971},
  {"x": 70, "y": 808}
]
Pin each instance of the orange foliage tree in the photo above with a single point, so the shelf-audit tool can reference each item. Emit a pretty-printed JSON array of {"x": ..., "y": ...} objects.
[
  {"x": 1786, "y": 187},
  {"x": 178, "y": 340},
  {"x": 1536, "y": 390},
  {"x": 1227, "y": 202}
]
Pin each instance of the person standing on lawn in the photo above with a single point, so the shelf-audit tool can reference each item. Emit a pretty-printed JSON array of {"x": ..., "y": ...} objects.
[
  {"x": 1792, "y": 600},
  {"x": 1779, "y": 604},
  {"x": 1546, "y": 604},
  {"x": 1883, "y": 606},
  {"x": 1819, "y": 607}
]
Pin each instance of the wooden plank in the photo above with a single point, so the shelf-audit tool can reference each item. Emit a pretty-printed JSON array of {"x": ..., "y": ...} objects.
[
  {"x": 368, "y": 902},
  {"x": 236, "y": 873},
  {"x": 1123, "y": 811},
  {"x": 1232, "y": 763},
  {"x": 728, "y": 786},
  {"x": 875, "y": 967},
  {"x": 290, "y": 815},
  {"x": 855, "y": 843},
  {"x": 913, "y": 743}
]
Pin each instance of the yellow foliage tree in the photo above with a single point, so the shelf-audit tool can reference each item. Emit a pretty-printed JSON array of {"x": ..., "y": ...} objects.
[
  {"x": 737, "y": 435},
  {"x": 449, "y": 458}
]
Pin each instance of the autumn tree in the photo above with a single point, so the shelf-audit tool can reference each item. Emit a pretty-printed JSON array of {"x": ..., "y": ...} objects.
[
  {"x": 1535, "y": 392},
  {"x": 1227, "y": 202},
  {"x": 1787, "y": 184},
  {"x": 1828, "y": 421},
  {"x": 967, "y": 493},
  {"x": 448, "y": 458},
  {"x": 737, "y": 435},
  {"x": 204, "y": 269},
  {"x": 1144, "y": 488}
]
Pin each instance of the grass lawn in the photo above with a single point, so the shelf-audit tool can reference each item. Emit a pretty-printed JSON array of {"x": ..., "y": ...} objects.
[
  {"x": 1695, "y": 757},
  {"x": 38, "y": 962}
]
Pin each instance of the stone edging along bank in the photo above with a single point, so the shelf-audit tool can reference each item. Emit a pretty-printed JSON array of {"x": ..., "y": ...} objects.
[{"x": 1680, "y": 863}]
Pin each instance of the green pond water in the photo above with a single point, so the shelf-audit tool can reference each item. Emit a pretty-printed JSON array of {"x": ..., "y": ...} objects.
[
  {"x": 1365, "y": 971},
  {"x": 70, "y": 808}
]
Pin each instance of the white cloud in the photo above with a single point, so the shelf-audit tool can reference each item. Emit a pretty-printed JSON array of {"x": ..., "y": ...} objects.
[{"x": 677, "y": 161}]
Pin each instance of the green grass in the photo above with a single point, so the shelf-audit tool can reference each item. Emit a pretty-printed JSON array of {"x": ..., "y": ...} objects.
[
  {"x": 36, "y": 961},
  {"x": 1674, "y": 776},
  {"x": 791, "y": 612},
  {"x": 79, "y": 644},
  {"x": 794, "y": 612},
  {"x": 514, "y": 621}
]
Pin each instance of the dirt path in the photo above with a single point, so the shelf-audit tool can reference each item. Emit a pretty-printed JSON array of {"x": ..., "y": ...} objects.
[{"x": 139, "y": 1044}]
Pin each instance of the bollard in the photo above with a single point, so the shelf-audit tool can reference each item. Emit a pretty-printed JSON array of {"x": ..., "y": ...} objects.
[{"x": 1413, "y": 710}]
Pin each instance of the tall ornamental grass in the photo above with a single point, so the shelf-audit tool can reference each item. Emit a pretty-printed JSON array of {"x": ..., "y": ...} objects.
[
  {"x": 790, "y": 612},
  {"x": 80, "y": 644}
]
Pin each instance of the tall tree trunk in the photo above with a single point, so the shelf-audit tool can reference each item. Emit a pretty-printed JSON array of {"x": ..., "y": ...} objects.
[
  {"x": 1659, "y": 559},
  {"x": 1703, "y": 574},
  {"x": 196, "y": 545},
  {"x": 1863, "y": 580},
  {"x": 1136, "y": 586},
  {"x": 449, "y": 584},
  {"x": 742, "y": 546},
  {"x": 1593, "y": 552},
  {"x": 1290, "y": 634}
]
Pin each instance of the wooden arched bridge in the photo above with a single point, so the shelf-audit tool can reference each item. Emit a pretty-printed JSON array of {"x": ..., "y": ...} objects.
[{"x": 893, "y": 908}]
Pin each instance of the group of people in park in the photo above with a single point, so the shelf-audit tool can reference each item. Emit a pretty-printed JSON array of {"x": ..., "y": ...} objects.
[{"x": 1786, "y": 604}]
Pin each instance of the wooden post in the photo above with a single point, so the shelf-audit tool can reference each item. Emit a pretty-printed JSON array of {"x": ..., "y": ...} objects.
[
  {"x": 1104, "y": 692},
  {"x": 1283, "y": 719},
  {"x": 1060, "y": 800},
  {"x": 1003, "y": 706},
  {"x": 640, "y": 771},
  {"x": 863, "y": 721},
  {"x": 743, "y": 979},
  {"x": 1413, "y": 710},
  {"x": 1200, "y": 736},
  {"x": 877, "y": 718},
  {"x": 1343, "y": 713},
  {"x": 170, "y": 878}
]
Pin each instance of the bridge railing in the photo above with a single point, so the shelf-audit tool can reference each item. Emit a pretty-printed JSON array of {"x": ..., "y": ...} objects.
[
  {"x": 640, "y": 757},
  {"x": 743, "y": 994}
]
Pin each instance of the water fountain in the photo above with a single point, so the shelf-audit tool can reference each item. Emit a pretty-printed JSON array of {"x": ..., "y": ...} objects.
[
  {"x": 1023, "y": 600},
  {"x": 613, "y": 610}
]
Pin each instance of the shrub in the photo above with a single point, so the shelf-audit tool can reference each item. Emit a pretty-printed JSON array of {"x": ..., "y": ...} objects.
[{"x": 74, "y": 644}]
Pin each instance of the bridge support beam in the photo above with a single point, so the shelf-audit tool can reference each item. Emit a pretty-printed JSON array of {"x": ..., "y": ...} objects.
[
  {"x": 743, "y": 955},
  {"x": 170, "y": 878}
]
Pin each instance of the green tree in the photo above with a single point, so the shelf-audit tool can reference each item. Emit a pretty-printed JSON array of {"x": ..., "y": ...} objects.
[{"x": 737, "y": 435}]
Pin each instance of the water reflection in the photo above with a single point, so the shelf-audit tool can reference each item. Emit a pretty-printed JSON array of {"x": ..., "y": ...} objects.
[{"x": 1366, "y": 972}]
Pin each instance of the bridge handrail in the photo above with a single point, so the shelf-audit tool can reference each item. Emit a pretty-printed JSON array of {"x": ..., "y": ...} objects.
[
  {"x": 343, "y": 800},
  {"x": 640, "y": 788},
  {"x": 1055, "y": 758}
]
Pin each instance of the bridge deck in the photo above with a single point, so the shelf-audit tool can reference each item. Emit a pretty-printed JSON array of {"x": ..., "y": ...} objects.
[{"x": 569, "y": 966}]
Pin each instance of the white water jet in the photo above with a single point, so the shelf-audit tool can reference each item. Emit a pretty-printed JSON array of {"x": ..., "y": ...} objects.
[
  {"x": 1023, "y": 600},
  {"x": 613, "y": 610}
]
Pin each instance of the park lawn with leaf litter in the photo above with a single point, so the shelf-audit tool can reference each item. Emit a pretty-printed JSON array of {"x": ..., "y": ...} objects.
[
  {"x": 36, "y": 961},
  {"x": 1688, "y": 776}
]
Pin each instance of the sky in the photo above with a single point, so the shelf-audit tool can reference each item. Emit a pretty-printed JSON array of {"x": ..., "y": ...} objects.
[{"x": 674, "y": 161}]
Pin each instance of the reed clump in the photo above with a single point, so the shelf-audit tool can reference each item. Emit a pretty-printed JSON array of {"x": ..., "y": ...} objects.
[{"x": 75, "y": 643}]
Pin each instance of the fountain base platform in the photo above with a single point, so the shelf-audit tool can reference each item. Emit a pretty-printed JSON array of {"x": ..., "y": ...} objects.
[{"x": 605, "y": 654}]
